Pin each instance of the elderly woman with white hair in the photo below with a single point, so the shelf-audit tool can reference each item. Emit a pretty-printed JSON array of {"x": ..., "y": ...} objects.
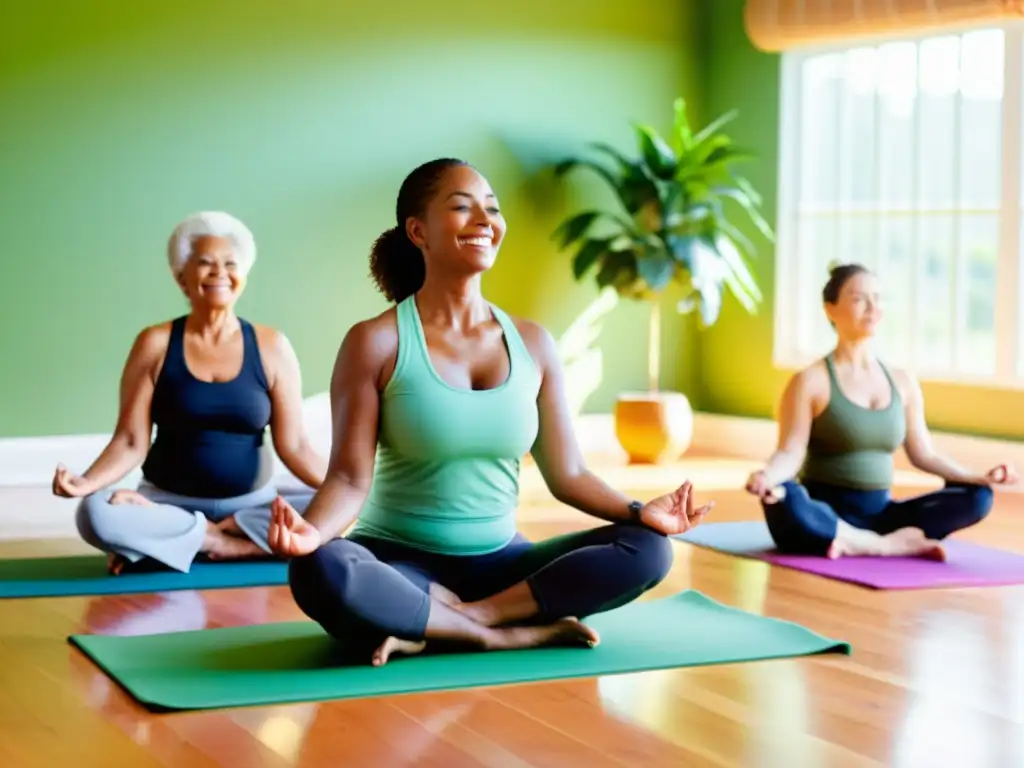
[{"x": 211, "y": 383}]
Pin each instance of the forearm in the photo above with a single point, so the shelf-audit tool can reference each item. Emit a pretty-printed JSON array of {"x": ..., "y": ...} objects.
[
  {"x": 335, "y": 506},
  {"x": 591, "y": 495},
  {"x": 949, "y": 470},
  {"x": 783, "y": 466},
  {"x": 121, "y": 456}
]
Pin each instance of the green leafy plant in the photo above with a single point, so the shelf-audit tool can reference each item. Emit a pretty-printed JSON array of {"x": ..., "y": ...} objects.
[{"x": 672, "y": 225}]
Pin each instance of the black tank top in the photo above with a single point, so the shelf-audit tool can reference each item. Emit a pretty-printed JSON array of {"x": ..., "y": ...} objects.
[{"x": 209, "y": 437}]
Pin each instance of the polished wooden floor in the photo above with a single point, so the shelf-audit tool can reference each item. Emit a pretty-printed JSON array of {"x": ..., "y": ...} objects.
[{"x": 936, "y": 678}]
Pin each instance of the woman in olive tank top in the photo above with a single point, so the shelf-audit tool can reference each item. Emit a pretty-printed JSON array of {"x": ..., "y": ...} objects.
[
  {"x": 435, "y": 403},
  {"x": 840, "y": 422}
]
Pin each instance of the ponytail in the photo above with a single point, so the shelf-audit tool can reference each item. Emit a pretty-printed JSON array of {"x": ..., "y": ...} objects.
[{"x": 396, "y": 264}]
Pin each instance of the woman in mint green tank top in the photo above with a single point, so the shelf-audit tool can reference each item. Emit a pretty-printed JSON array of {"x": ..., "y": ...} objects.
[
  {"x": 840, "y": 422},
  {"x": 435, "y": 402}
]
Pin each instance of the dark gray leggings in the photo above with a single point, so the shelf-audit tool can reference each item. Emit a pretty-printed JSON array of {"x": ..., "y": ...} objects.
[
  {"x": 805, "y": 522},
  {"x": 361, "y": 589}
]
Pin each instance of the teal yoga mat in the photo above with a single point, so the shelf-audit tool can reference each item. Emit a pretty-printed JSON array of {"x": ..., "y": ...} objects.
[
  {"x": 293, "y": 662},
  {"x": 87, "y": 575}
]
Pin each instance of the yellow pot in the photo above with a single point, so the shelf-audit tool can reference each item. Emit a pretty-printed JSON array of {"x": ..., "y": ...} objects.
[{"x": 653, "y": 427}]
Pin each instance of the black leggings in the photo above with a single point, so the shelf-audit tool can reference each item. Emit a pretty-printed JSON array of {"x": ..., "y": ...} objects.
[
  {"x": 805, "y": 522},
  {"x": 361, "y": 589}
]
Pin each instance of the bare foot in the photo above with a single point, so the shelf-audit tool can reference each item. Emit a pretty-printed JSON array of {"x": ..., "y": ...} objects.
[
  {"x": 394, "y": 645},
  {"x": 229, "y": 526},
  {"x": 567, "y": 631},
  {"x": 128, "y": 496},
  {"x": 914, "y": 543},
  {"x": 906, "y": 542},
  {"x": 220, "y": 546}
]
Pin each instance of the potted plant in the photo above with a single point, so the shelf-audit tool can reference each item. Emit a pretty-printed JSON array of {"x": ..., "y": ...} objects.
[{"x": 671, "y": 227}]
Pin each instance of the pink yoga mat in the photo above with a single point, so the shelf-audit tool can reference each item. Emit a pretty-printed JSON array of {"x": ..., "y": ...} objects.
[{"x": 966, "y": 565}]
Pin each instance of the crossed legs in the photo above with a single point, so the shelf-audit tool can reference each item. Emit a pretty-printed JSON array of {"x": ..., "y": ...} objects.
[
  {"x": 154, "y": 525},
  {"x": 836, "y": 522},
  {"x": 377, "y": 598}
]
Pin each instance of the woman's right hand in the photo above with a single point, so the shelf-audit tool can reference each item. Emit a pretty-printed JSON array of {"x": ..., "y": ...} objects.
[
  {"x": 70, "y": 486},
  {"x": 758, "y": 484},
  {"x": 290, "y": 535}
]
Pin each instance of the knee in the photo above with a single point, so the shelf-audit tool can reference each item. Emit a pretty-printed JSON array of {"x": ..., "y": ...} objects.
[
  {"x": 980, "y": 501},
  {"x": 91, "y": 518},
  {"x": 795, "y": 532},
  {"x": 320, "y": 576},
  {"x": 653, "y": 552}
]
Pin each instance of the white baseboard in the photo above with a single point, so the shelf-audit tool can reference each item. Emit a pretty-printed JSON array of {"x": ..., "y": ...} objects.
[
  {"x": 742, "y": 437},
  {"x": 31, "y": 511},
  {"x": 30, "y": 461}
]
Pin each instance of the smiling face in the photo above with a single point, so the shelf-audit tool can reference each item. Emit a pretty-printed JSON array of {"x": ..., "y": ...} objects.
[
  {"x": 211, "y": 276},
  {"x": 858, "y": 308},
  {"x": 462, "y": 227}
]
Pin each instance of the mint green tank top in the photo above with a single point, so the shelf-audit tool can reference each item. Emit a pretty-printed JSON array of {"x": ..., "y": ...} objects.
[
  {"x": 446, "y": 478},
  {"x": 852, "y": 446}
]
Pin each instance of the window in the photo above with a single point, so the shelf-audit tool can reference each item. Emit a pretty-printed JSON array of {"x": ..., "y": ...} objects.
[{"x": 905, "y": 155}]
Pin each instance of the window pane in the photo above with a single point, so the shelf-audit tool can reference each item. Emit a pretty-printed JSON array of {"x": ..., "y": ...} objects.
[
  {"x": 897, "y": 99},
  {"x": 858, "y": 239},
  {"x": 981, "y": 115},
  {"x": 817, "y": 249},
  {"x": 934, "y": 289},
  {"x": 896, "y": 274},
  {"x": 939, "y": 81},
  {"x": 857, "y": 130},
  {"x": 900, "y": 167},
  {"x": 819, "y": 127},
  {"x": 976, "y": 337}
]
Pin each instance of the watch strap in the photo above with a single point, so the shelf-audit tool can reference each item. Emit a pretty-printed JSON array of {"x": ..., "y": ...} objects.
[{"x": 634, "y": 511}]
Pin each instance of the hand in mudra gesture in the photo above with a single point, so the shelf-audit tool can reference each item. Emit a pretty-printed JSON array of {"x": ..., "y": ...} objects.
[
  {"x": 1002, "y": 474},
  {"x": 69, "y": 485},
  {"x": 674, "y": 513},
  {"x": 290, "y": 535}
]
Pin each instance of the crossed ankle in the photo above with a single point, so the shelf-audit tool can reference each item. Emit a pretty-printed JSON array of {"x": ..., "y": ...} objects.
[{"x": 482, "y": 613}]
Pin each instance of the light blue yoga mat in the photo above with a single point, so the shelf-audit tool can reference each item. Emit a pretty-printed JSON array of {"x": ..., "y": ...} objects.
[
  {"x": 295, "y": 661},
  {"x": 87, "y": 575}
]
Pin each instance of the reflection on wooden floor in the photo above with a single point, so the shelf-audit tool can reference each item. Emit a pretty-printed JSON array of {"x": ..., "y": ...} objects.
[{"x": 936, "y": 677}]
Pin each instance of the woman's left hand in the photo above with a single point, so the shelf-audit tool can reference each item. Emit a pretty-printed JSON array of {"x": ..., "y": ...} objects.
[
  {"x": 674, "y": 512},
  {"x": 1003, "y": 474}
]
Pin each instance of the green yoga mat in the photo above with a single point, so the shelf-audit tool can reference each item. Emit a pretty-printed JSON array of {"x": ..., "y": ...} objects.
[
  {"x": 292, "y": 661},
  {"x": 87, "y": 575}
]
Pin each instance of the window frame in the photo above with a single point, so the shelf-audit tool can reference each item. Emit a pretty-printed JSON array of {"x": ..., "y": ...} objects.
[{"x": 1009, "y": 298}]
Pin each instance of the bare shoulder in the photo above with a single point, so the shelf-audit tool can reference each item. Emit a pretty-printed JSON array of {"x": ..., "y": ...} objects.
[
  {"x": 906, "y": 383},
  {"x": 369, "y": 349},
  {"x": 148, "y": 351},
  {"x": 810, "y": 383},
  {"x": 272, "y": 342},
  {"x": 538, "y": 340},
  {"x": 375, "y": 337},
  {"x": 151, "y": 342}
]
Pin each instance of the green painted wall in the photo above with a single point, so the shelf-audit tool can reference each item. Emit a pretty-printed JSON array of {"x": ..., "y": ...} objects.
[
  {"x": 735, "y": 356},
  {"x": 118, "y": 118},
  {"x": 737, "y": 375}
]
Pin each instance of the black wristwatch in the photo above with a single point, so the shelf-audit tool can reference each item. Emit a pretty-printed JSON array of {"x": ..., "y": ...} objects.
[{"x": 634, "y": 511}]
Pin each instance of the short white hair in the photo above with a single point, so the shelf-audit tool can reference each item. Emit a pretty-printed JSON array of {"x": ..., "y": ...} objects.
[{"x": 210, "y": 224}]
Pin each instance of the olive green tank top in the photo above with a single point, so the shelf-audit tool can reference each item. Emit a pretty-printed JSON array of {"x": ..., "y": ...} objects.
[
  {"x": 852, "y": 446},
  {"x": 446, "y": 477}
]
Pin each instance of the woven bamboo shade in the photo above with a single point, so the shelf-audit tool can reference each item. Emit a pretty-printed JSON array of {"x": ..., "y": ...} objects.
[{"x": 780, "y": 25}]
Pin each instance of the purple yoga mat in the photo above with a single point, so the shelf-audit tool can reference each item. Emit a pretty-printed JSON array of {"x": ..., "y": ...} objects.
[{"x": 966, "y": 565}]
